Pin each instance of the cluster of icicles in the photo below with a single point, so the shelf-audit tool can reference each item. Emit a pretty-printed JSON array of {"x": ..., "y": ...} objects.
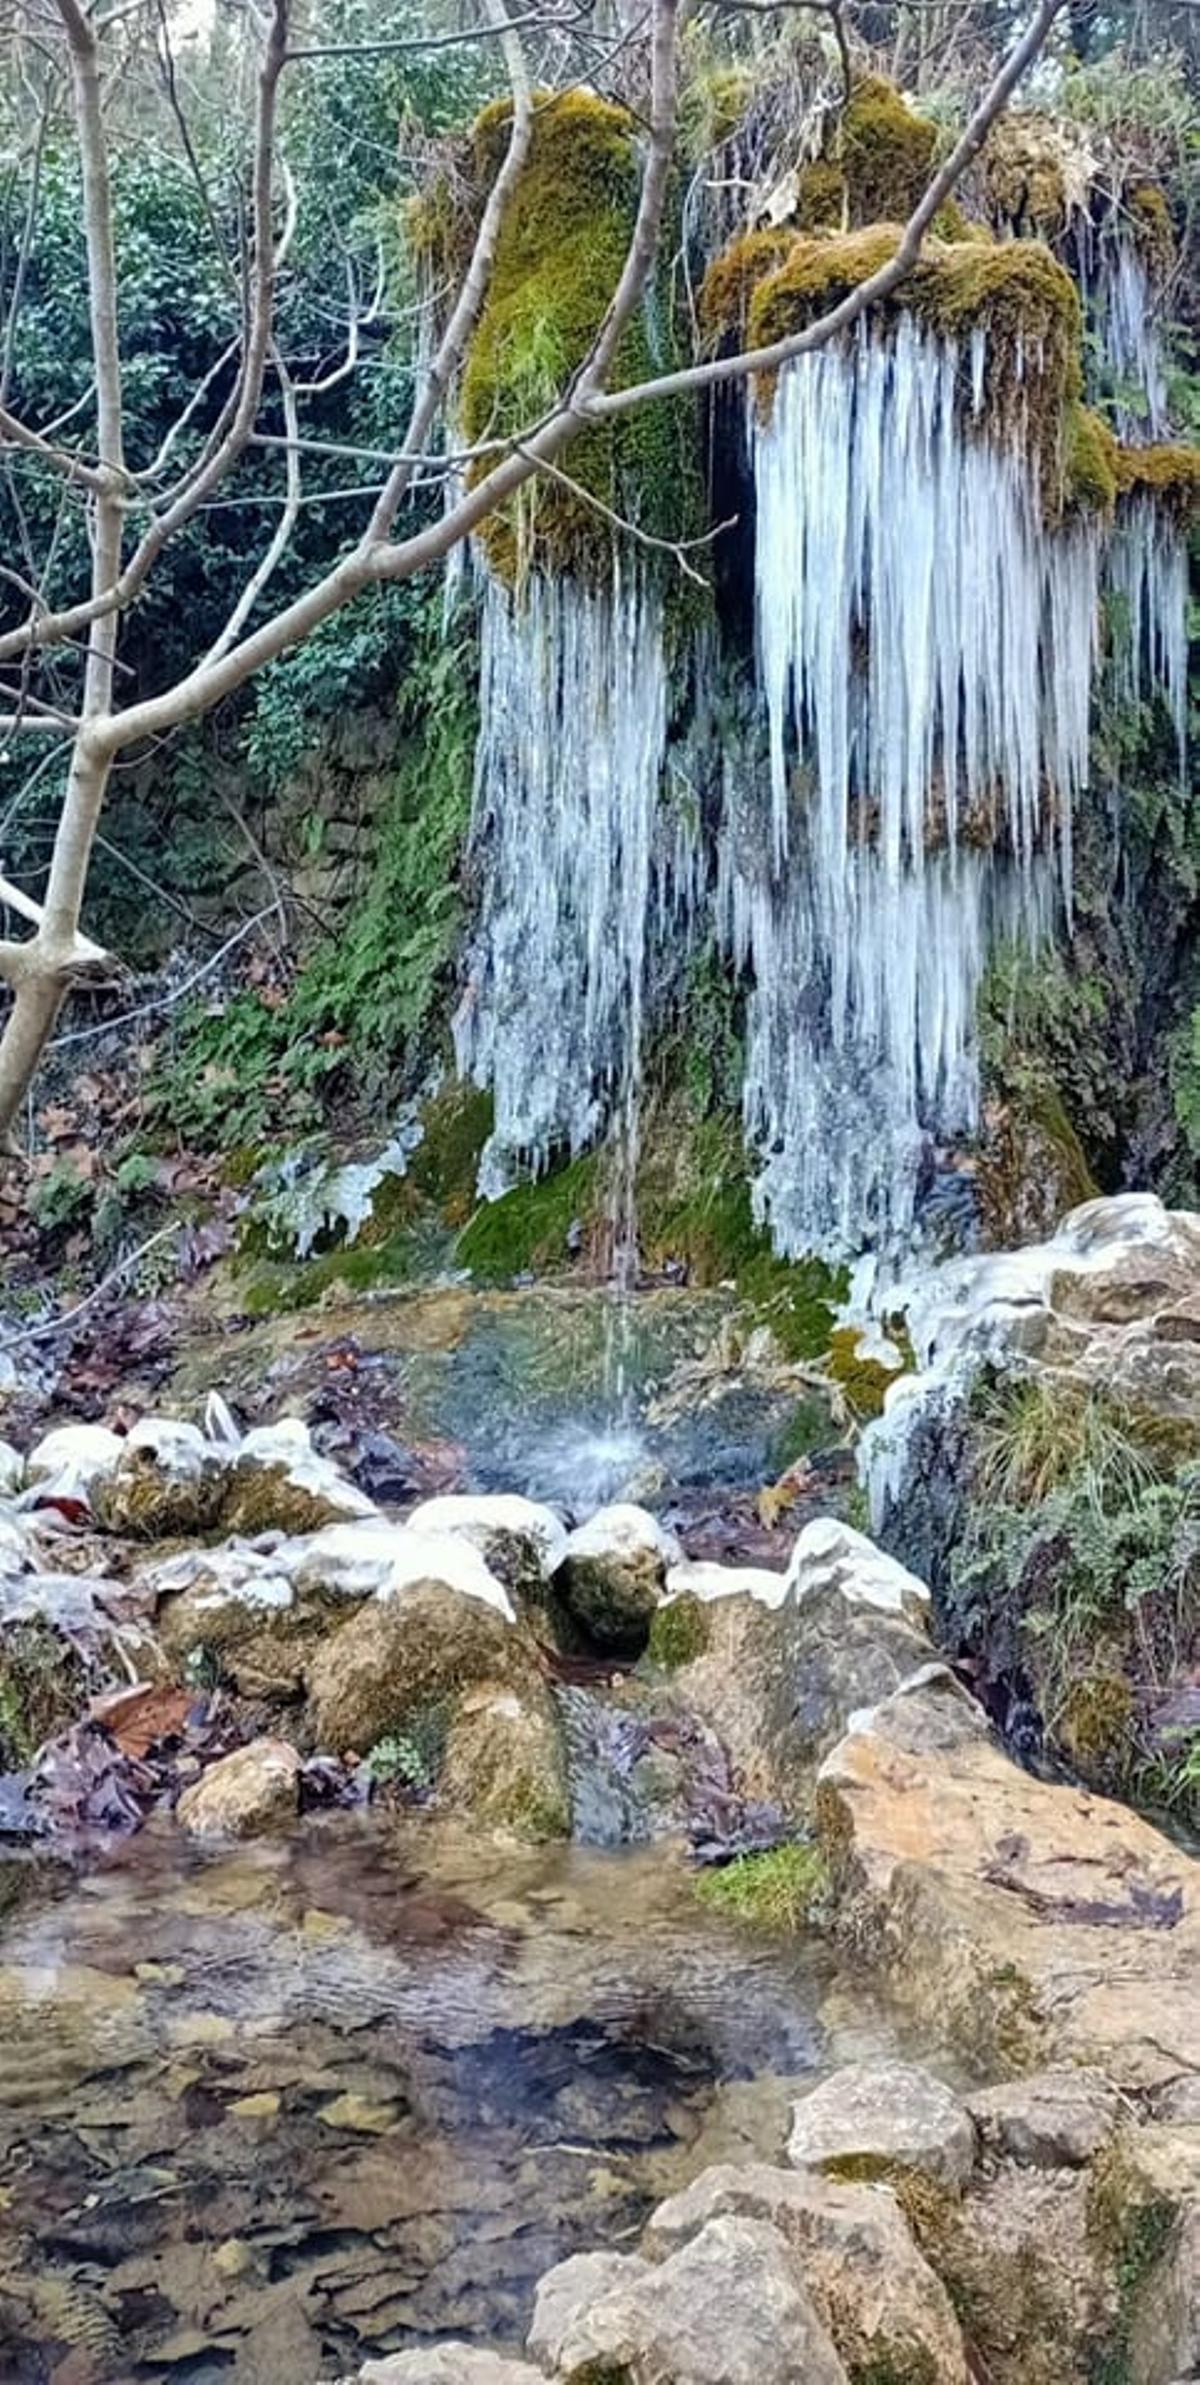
[{"x": 926, "y": 654}]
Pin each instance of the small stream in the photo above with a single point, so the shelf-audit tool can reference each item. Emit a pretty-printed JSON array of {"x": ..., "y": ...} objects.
[{"x": 266, "y": 2112}]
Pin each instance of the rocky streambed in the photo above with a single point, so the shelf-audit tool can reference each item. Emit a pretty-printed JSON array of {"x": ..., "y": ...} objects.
[{"x": 354, "y": 1975}]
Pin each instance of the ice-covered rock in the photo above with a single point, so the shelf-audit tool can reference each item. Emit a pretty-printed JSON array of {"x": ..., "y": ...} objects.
[{"x": 614, "y": 1573}]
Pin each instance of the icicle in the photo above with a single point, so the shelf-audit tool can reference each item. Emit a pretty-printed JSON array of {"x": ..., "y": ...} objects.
[
  {"x": 573, "y": 703},
  {"x": 926, "y": 653},
  {"x": 1123, "y": 300},
  {"x": 1148, "y": 569}
]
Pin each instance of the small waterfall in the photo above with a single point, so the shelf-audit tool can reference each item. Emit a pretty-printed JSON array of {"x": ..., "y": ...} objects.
[
  {"x": 926, "y": 655},
  {"x": 573, "y": 731},
  {"x": 1147, "y": 567}
]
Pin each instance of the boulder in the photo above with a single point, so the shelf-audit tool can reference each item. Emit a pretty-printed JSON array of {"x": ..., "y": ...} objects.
[
  {"x": 234, "y": 1611},
  {"x": 702, "y": 1579},
  {"x": 777, "y": 1684},
  {"x": 880, "y": 2119},
  {"x": 729, "y": 2308},
  {"x": 401, "y": 1654},
  {"x": 1019, "y": 2255},
  {"x": 168, "y": 1479},
  {"x": 504, "y": 1761},
  {"x": 613, "y": 1575},
  {"x": 1056, "y": 2120},
  {"x": 568, "y": 2292},
  {"x": 255, "y": 1789},
  {"x": 1040, "y": 1923},
  {"x": 277, "y": 1482},
  {"x": 887, "y": 2312}
]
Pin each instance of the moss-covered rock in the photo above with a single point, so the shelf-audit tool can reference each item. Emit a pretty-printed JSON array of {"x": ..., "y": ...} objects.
[
  {"x": 43, "y": 1684},
  {"x": 557, "y": 263},
  {"x": 396, "y": 1654},
  {"x": 504, "y": 1763},
  {"x": 679, "y": 1632},
  {"x": 887, "y": 153},
  {"x": 1169, "y": 474}
]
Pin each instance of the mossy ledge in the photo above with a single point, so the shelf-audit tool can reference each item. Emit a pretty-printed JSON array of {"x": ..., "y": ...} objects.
[
  {"x": 558, "y": 260},
  {"x": 1015, "y": 293},
  {"x": 1169, "y": 474}
]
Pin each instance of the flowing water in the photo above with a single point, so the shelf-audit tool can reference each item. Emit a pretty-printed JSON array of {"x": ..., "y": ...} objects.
[{"x": 265, "y": 2112}]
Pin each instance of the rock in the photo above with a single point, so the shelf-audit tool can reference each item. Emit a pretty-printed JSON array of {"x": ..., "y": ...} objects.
[
  {"x": 709, "y": 1582},
  {"x": 778, "y": 1684},
  {"x": 1020, "y": 2256},
  {"x": 277, "y": 1482},
  {"x": 1058, "y": 2119},
  {"x": 382, "y": 1560},
  {"x": 445, "y": 2364},
  {"x": 521, "y": 1541},
  {"x": 729, "y": 2308},
  {"x": 568, "y": 2292},
  {"x": 887, "y": 2312},
  {"x": 1145, "y": 2210},
  {"x": 874, "y": 2119},
  {"x": 236, "y": 1610},
  {"x": 68, "y": 1463},
  {"x": 406, "y": 1652},
  {"x": 613, "y": 1576},
  {"x": 1042, "y": 1924},
  {"x": 253, "y": 1790},
  {"x": 504, "y": 1761},
  {"x": 168, "y": 1479}
]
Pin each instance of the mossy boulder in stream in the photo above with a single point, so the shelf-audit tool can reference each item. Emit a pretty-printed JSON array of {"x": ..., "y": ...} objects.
[
  {"x": 613, "y": 1576},
  {"x": 398, "y": 1654}
]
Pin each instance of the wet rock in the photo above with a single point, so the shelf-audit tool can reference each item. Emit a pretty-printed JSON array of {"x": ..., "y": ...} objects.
[
  {"x": 404, "y": 1653},
  {"x": 277, "y": 1482},
  {"x": 778, "y": 1684},
  {"x": 875, "y": 2119},
  {"x": 255, "y": 1789},
  {"x": 1058, "y": 2119},
  {"x": 1042, "y": 1924},
  {"x": 888, "y": 2313},
  {"x": 234, "y": 1614},
  {"x": 730, "y": 2308},
  {"x": 708, "y": 1582},
  {"x": 504, "y": 1761},
  {"x": 613, "y": 1575},
  {"x": 569, "y": 2291},
  {"x": 1021, "y": 2256}
]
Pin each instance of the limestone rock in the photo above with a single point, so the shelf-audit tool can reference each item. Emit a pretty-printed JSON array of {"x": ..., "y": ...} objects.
[
  {"x": 1057, "y": 2119},
  {"x": 1040, "y": 1923},
  {"x": 778, "y": 1684},
  {"x": 253, "y": 1790},
  {"x": 729, "y": 2308},
  {"x": 504, "y": 1761},
  {"x": 1019, "y": 2253},
  {"x": 168, "y": 1479},
  {"x": 875, "y": 2118},
  {"x": 408, "y": 1651},
  {"x": 277, "y": 1482},
  {"x": 887, "y": 2312},
  {"x": 568, "y": 2292},
  {"x": 613, "y": 1575}
]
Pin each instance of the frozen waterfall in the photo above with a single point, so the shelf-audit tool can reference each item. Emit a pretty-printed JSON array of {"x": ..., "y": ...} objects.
[
  {"x": 1148, "y": 570},
  {"x": 926, "y": 655},
  {"x": 573, "y": 704}
]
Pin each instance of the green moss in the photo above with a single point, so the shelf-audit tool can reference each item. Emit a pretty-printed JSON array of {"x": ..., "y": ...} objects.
[
  {"x": 1090, "y": 461},
  {"x": 731, "y": 281},
  {"x": 1096, "y": 1726},
  {"x": 779, "y": 1891},
  {"x": 820, "y": 197},
  {"x": 1132, "y": 2226},
  {"x": 527, "y": 1228},
  {"x": 908, "y": 2365},
  {"x": 1146, "y": 203},
  {"x": 1024, "y": 175},
  {"x": 1170, "y": 474},
  {"x": 679, "y": 1633},
  {"x": 887, "y": 153},
  {"x": 1015, "y": 291},
  {"x": 863, "y": 1380},
  {"x": 42, "y": 1686},
  {"x": 455, "y": 1124},
  {"x": 277, "y": 1289},
  {"x": 557, "y": 263}
]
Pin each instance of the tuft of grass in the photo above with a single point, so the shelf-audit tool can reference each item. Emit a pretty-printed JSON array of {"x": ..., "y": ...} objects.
[
  {"x": 1041, "y": 1435},
  {"x": 782, "y": 1890}
]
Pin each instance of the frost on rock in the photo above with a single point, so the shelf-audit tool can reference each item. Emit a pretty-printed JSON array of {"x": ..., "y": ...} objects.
[{"x": 573, "y": 705}]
